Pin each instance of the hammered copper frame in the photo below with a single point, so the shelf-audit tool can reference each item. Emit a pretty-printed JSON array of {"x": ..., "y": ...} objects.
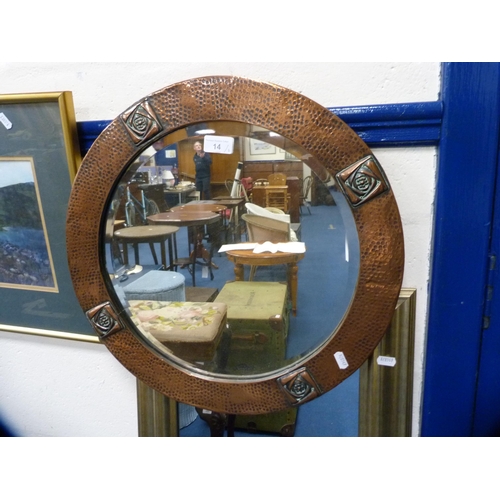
[{"x": 332, "y": 145}]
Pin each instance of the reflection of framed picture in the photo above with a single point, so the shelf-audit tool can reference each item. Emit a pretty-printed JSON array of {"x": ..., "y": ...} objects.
[
  {"x": 261, "y": 148},
  {"x": 291, "y": 157},
  {"x": 39, "y": 156}
]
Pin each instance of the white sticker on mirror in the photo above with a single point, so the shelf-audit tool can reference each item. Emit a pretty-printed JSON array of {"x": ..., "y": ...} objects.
[
  {"x": 341, "y": 360},
  {"x": 218, "y": 144},
  {"x": 5, "y": 121},
  {"x": 386, "y": 361}
]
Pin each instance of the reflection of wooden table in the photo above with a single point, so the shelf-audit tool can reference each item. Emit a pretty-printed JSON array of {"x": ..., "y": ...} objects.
[
  {"x": 181, "y": 192},
  {"x": 235, "y": 205},
  {"x": 193, "y": 220},
  {"x": 148, "y": 234},
  {"x": 199, "y": 207},
  {"x": 247, "y": 257}
]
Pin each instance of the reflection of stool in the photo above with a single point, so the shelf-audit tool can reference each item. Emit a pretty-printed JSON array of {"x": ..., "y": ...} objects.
[
  {"x": 157, "y": 285},
  {"x": 191, "y": 330},
  {"x": 149, "y": 234},
  {"x": 218, "y": 422}
]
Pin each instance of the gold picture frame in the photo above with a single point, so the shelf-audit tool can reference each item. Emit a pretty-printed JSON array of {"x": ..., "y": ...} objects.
[
  {"x": 385, "y": 392},
  {"x": 386, "y": 377},
  {"x": 38, "y": 129}
]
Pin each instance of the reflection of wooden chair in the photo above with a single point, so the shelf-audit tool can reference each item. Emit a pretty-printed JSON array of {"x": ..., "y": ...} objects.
[
  {"x": 277, "y": 197},
  {"x": 261, "y": 229},
  {"x": 261, "y": 182},
  {"x": 277, "y": 192},
  {"x": 277, "y": 179},
  {"x": 306, "y": 188}
]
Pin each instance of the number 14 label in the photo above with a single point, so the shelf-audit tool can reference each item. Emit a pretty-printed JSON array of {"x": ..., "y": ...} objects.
[{"x": 218, "y": 144}]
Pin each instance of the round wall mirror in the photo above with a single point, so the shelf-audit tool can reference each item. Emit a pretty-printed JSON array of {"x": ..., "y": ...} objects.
[{"x": 251, "y": 301}]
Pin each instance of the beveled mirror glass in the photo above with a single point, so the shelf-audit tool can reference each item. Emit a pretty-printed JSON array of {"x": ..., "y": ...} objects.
[
  {"x": 333, "y": 288},
  {"x": 327, "y": 271}
]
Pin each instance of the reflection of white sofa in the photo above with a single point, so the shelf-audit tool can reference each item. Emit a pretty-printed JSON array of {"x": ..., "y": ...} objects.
[{"x": 264, "y": 212}]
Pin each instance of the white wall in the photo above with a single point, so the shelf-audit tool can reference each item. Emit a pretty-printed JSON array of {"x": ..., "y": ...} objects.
[{"x": 54, "y": 387}]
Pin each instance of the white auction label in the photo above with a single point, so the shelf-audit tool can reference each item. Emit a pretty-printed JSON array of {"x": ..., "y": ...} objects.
[
  {"x": 5, "y": 121},
  {"x": 386, "y": 361},
  {"x": 218, "y": 144},
  {"x": 341, "y": 361}
]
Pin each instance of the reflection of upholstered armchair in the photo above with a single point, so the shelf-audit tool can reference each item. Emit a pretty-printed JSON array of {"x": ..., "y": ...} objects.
[
  {"x": 272, "y": 213},
  {"x": 261, "y": 229}
]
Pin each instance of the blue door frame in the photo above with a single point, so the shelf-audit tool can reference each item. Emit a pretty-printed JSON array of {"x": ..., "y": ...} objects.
[{"x": 464, "y": 208}]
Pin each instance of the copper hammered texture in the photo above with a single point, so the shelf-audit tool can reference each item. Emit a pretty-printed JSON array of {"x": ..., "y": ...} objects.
[{"x": 334, "y": 147}]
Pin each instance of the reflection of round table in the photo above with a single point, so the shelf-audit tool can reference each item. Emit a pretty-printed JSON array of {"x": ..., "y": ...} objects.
[
  {"x": 191, "y": 219},
  {"x": 199, "y": 207},
  {"x": 148, "y": 234},
  {"x": 247, "y": 257},
  {"x": 184, "y": 219},
  {"x": 233, "y": 221}
]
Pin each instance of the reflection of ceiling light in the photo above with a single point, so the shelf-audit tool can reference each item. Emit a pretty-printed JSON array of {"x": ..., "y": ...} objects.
[
  {"x": 205, "y": 131},
  {"x": 273, "y": 134}
]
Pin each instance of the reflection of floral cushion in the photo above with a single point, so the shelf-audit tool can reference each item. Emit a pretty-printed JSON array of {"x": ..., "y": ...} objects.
[{"x": 191, "y": 330}]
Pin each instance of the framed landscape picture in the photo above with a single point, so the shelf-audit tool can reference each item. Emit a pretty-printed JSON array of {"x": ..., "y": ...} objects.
[
  {"x": 39, "y": 157},
  {"x": 26, "y": 260}
]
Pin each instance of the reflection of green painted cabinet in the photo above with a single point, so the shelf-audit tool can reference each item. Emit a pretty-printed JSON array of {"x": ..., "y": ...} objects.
[{"x": 257, "y": 316}]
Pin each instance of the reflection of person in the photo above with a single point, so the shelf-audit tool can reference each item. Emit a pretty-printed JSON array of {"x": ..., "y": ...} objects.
[{"x": 202, "y": 164}]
